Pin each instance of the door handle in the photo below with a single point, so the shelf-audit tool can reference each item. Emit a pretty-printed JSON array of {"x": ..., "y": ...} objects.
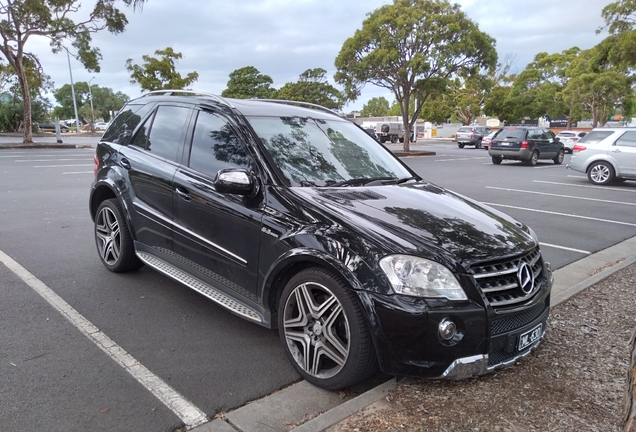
[
  {"x": 616, "y": 151},
  {"x": 124, "y": 162},
  {"x": 183, "y": 193}
]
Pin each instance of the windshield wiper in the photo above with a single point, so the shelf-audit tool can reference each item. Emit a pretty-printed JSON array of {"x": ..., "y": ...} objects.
[
  {"x": 362, "y": 181},
  {"x": 405, "y": 179}
]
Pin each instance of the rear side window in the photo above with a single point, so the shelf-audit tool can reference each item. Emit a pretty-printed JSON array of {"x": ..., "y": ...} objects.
[
  {"x": 123, "y": 126},
  {"x": 627, "y": 140},
  {"x": 566, "y": 134},
  {"x": 166, "y": 132},
  {"x": 595, "y": 137}
]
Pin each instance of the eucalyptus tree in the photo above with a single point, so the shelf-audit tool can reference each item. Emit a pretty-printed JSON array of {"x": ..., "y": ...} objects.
[{"x": 412, "y": 48}]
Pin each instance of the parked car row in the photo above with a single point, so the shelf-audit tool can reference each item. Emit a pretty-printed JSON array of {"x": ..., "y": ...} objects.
[{"x": 471, "y": 135}]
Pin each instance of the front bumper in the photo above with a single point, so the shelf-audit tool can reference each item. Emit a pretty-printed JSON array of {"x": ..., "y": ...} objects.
[{"x": 407, "y": 340}]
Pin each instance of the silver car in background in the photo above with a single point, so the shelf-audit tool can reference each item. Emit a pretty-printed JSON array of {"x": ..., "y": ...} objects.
[{"x": 606, "y": 155}]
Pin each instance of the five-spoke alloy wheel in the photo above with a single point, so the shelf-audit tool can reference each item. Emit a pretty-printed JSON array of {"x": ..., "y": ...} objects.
[
  {"x": 114, "y": 243},
  {"x": 323, "y": 330}
]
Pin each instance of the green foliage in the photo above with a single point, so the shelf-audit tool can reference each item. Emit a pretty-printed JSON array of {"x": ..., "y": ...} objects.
[
  {"x": 412, "y": 47},
  {"x": 22, "y": 19},
  {"x": 312, "y": 86},
  {"x": 12, "y": 113},
  {"x": 376, "y": 107},
  {"x": 159, "y": 73},
  {"x": 594, "y": 88},
  {"x": 104, "y": 101},
  {"x": 619, "y": 16},
  {"x": 247, "y": 82}
]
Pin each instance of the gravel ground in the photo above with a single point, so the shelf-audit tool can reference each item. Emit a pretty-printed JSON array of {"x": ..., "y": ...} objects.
[{"x": 574, "y": 381}]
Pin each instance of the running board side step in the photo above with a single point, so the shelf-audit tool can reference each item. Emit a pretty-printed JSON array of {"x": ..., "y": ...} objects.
[{"x": 199, "y": 286}]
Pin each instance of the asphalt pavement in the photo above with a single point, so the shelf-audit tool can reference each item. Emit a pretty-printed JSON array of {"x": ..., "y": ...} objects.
[{"x": 306, "y": 408}]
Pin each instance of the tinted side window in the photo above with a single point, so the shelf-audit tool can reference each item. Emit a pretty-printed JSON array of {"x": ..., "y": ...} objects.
[
  {"x": 166, "y": 131},
  {"x": 548, "y": 134},
  {"x": 595, "y": 137},
  {"x": 215, "y": 146},
  {"x": 123, "y": 126},
  {"x": 627, "y": 140}
]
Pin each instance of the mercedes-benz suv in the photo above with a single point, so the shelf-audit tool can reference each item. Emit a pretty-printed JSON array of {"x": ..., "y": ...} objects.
[{"x": 293, "y": 218}]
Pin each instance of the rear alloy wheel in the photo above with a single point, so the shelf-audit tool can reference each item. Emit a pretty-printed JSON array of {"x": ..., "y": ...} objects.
[
  {"x": 600, "y": 173},
  {"x": 324, "y": 331},
  {"x": 113, "y": 239},
  {"x": 534, "y": 158},
  {"x": 460, "y": 145},
  {"x": 558, "y": 159}
]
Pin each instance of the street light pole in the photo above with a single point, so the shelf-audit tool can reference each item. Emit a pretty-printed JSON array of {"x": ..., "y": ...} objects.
[
  {"x": 68, "y": 56},
  {"x": 90, "y": 95}
]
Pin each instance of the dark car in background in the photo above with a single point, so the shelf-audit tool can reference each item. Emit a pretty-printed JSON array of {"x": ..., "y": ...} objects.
[
  {"x": 293, "y": 218},
  {"x": 526, "y": 144},
  {"x": 471, "y": 135},
  {"x": 50, "y": 127}
]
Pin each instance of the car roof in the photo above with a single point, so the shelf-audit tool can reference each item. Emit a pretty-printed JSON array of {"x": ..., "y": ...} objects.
[{"x": 247, "y": 107}]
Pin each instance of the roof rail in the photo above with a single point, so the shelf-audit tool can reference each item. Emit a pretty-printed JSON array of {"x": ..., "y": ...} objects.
[
  {"x": 188, "y": 92},
  {"x": 308, "y": 104}
]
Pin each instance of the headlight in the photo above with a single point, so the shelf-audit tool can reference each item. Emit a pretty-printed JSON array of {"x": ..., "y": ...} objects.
[{"x": 421, "y": 277}]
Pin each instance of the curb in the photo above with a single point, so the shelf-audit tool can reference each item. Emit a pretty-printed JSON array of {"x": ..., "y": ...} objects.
[
  {"x": 39, "y": 146},
  {"x": 569, "y": 281}
]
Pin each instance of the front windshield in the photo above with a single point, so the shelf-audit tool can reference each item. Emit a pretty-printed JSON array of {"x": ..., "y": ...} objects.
[{"x": 316, "y": 152}]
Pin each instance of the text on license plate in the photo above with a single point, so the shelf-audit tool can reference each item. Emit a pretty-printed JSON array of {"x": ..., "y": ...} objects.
[{"x": 528, "y": 338}]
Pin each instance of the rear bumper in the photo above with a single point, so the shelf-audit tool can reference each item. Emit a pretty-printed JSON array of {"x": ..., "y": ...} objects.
[{"x": 517, "y": 154}]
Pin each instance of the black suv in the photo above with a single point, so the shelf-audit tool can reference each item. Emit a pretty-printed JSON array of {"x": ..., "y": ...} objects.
[
  {"x": 471, "y": 135},
  {"x": 294, "y": 218},
  {"x": 527, "y": 144}
]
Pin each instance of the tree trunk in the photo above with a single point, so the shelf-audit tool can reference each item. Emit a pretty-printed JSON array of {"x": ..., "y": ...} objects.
[
  {"x": 630, "y": 393},
  {"x": 26, "y": 97}
]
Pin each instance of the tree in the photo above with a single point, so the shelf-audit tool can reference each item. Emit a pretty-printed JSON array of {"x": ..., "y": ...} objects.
[
  {"x": 412, "y": 47},
  {"x": 376, "y": 107},
  {"x": 467, "y": 95},
  {"x": 159, "y": 73},
  {"x": 104, "y": 101},
  {"x": 247, "y": 82},
  {"x": 52, "y": 19},
  {"x": 312, "y": 86},
  {"x": 595, "y": 87}
]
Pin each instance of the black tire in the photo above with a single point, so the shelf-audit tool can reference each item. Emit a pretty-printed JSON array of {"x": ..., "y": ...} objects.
[
  {"x": 401, "y": 140},
  {"x": 496, "y": 160},
  {"x": 600, "y": 173},
  {"x": 382, "y": 139},
  {"x": 558, "y": 159},
  {"x": 534, "y": 158},
  {"x": 112, "y": 238},
  {"x": 478, "y": 145},
  {"x": 338, "y": 335},
  {"x": 393, "y": 139},
  {"x": 460, "y": 145}
]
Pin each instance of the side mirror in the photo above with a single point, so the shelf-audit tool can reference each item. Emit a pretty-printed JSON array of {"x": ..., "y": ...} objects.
[{"x": 235, "y": 181}]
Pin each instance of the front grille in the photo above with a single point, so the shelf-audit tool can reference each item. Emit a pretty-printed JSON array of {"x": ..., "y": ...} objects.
[
  {"x": 499, "y": 280},
  {"x": 517, "y": 321}
]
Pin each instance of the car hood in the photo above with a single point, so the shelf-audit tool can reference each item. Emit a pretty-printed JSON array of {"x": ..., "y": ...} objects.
[{"x": 424, "y": 220}]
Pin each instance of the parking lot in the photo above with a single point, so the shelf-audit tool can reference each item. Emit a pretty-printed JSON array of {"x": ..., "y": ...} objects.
[{"x": 55, "y": 378}]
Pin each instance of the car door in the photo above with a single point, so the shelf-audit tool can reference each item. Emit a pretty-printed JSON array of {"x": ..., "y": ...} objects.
[
  {"x": 552, "y": 145},
  {"x": 151, "y": 161},
  {"x": 623, "y": 151},
  {"x": 217, "y": 235}
]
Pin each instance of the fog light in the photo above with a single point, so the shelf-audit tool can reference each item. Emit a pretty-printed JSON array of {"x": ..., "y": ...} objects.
[{"x": 447, "y": 329}]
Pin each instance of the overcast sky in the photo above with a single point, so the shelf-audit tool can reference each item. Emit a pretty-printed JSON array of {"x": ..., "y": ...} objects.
[{"x": 283, "y": 38}]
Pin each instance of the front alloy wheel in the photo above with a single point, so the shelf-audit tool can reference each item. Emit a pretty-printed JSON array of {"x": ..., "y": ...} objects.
[
  {"x": 600, "y": 173},
  {"x": 558, "y": 159},
  {"x": 324, "y": 331},
  {"x": 113, "y": 239}
]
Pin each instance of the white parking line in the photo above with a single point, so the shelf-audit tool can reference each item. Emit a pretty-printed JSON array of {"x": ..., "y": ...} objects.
[
  {"x": 562, "y": 214},
  {"x": 549, "y": 166},
  {"x": 52, "y": 160},
  {"x": 187, "y": 412},
  {"x": 79, "y": 172},
  {"x": 573, "y": 176},
  {"x": 566, "y": 248},
  {"x": 561, "y": 196},
  {"x": 59, "y": 166},
  {"x": 460, "y": 159},
  {"x": 586, "y": 186}
]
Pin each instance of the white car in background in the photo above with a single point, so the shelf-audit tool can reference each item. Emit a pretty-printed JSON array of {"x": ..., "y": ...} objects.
[
  {"x": 606, "y": 155},
  {"x": 570, "y": 138},
  {"x": 101, "y": 125},
  {"x": 485, "y": 142}
]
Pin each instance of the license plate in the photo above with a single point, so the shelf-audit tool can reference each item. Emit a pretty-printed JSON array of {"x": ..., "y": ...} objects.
[
  {"x": 528, "y": 338},
  {"x": 505, "y": 144}
]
